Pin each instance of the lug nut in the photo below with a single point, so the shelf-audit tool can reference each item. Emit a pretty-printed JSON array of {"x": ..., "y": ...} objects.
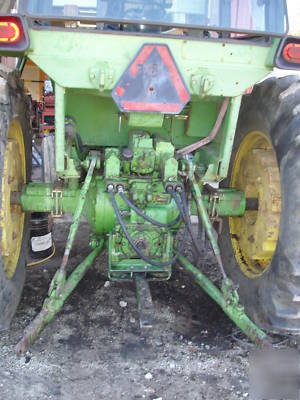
[{"x": 127, "y": 154}]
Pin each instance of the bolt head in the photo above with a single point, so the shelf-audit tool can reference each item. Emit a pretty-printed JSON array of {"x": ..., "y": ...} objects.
[
  {"x": 127, "y": 154},
  {"x": 169, "y": 188}
]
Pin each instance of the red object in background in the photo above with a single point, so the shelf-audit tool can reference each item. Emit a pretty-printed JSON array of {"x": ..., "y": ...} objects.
[
  {"x": 48, "y": 112},
  {"x": 49, "y": 101}
]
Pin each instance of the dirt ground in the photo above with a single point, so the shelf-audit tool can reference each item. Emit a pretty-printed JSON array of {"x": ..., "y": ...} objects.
[{"x": 94, "y": 349}]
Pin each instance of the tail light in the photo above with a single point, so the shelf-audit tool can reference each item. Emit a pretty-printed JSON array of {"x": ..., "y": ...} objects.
[
  {"x": 291, "y": 52},
  {"x": 288, "y": 55},
  {"x": 13, "y": 35}
]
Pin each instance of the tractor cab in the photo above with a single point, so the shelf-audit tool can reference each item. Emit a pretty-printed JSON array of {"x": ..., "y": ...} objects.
[{"x": 166, "y": 16}]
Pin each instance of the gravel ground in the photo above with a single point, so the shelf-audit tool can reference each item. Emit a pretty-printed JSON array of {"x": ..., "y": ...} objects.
[{"x": 94, "y": 349}]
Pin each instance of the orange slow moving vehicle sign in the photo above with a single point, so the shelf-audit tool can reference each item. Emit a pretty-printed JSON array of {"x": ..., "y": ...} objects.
[{"x": 152, "y": 83}]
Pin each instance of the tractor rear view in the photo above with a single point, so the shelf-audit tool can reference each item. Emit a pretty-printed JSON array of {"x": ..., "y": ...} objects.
[{"x": 158, "y": 121}]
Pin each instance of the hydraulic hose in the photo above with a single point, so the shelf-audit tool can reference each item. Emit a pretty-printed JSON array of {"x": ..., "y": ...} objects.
[
  {"x": 141, "y": 254},
  {"x": 146, "y": 217},
  {"x": 188, "y": 221},
  {"x": 201, "y": 231},
  {"x": 190, "y": 229},
  {"x": 184, "y": 212}
]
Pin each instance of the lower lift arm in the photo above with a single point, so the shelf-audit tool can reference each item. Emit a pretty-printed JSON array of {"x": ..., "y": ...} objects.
[
  {"x": 227, "y": 298},
  {"x": 61, "y": 288}
]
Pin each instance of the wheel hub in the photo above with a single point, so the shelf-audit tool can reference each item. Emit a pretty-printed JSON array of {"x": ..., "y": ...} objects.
[
  {"x": 12, "y": 216},
  {"x": 254, "y": 236}
]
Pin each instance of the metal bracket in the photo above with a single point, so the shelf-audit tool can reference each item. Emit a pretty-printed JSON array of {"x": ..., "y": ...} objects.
[
  {"x": 219, "y": 221},
  {"x": 144, "y": 299},
  {"x": 58, "y": 195},
  {"x": 214, "y": 198},
  {"x": 214, "y": 217}
]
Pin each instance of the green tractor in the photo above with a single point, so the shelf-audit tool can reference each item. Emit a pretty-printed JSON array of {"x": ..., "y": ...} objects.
[{"x": 157, "y": 122}]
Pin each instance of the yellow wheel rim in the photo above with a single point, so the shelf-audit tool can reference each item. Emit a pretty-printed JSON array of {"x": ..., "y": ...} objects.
[
  {"x": 12, "y": 217},
  {"x": 254, "y": 236}
]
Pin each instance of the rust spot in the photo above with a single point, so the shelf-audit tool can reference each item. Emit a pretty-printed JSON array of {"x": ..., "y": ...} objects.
[
  {"x": 235, "y": 237},
  {"x": 251, "y": 239}
]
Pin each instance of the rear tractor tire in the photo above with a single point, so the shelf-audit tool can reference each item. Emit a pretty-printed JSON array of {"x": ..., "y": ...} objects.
[
  {"x": 15, "y": 171},
  {"x": 261, "y": 250}
]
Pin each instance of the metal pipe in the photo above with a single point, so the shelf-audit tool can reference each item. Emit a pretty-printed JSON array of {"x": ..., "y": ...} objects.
[
  {"x": 59, "y": 128},
  {"x": 196, "y": 146},
  {"x": 232, "y": 308},
  {"x": 54, "y": 304}
]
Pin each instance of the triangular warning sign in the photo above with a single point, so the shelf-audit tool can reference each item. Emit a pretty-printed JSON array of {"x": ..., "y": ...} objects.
[{"x": 152, "y": 83}]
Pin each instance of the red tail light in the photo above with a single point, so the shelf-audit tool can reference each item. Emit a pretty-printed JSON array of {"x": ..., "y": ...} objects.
[
  {"x": 9, "y": 32},
  {"x": 288, "y": 53},
  {"x": 291, "y": 52},
  {"x": 13, "y": 36}
]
